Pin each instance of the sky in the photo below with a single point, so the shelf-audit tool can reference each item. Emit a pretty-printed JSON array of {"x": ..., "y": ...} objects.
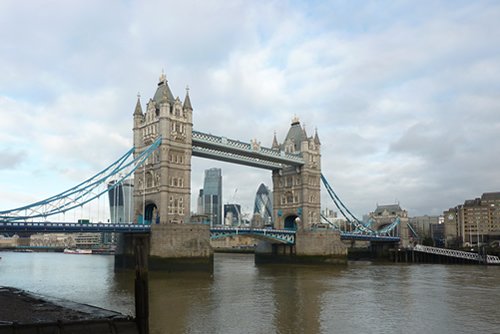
[{"x": 405, "y": 95}]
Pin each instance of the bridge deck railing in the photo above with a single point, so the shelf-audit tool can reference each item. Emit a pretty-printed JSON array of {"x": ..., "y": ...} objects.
[{"x": 247, "y": 147}]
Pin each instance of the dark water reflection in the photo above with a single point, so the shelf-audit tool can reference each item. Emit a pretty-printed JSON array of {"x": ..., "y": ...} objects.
[{"x": 243, "y": 298}]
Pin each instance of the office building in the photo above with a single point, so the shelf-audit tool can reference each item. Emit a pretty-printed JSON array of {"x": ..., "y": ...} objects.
[
  {"x": 264, "y": 204},
  {"x": 477, "y": 221},
  {"x": 232, "y": 214},
  {"x": 212, "y": 195}
]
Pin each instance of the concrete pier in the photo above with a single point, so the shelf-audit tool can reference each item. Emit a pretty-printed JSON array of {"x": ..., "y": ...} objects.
[
  {"x": 311, "y": 247},
  {"x": 181, "y": 247},
  {"x": 171, "y": 247}
]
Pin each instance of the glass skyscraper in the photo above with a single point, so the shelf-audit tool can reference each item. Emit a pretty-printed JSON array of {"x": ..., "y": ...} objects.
[
  {"x": 212, "y": 195},
  {"x": 264, "y": 204},
  {"x": 120, "y": 201}
]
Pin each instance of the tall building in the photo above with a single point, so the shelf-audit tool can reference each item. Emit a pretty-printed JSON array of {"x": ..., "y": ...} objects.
[
  {"x": 212, "y": 195},
  {"x": 232, "y": 214},
  {"x": 264, "y": 204},
  {"x": 199, "y": 203},
  {"x": 121, "y": 204},
  {"x": 423, "y": 225},
  {"x": 477, "y": 221}
]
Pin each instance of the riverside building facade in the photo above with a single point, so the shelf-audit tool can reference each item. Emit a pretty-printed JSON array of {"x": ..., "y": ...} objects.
[{"x": 476, "y": 222}]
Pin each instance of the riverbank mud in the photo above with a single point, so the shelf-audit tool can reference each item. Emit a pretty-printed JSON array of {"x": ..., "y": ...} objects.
[{"x": 22, "y": 311}]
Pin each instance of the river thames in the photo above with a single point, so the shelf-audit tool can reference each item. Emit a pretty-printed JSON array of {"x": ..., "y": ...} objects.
[{"x": 243, "y": 298}]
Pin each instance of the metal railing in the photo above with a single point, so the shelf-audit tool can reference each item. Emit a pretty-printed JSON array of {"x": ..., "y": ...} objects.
[
  {"x": 490, "y": 259},
  {"x": 248, "y": 149}
]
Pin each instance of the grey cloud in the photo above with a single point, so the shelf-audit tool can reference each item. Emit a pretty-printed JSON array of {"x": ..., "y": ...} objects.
[
  {"x": 11, "y": 159},
  {"x": 431, "y": 142}
]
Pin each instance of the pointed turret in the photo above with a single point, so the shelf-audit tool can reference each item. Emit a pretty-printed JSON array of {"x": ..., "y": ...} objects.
[
  {"x": 316, "y": 137},
  {"x": 296, "y": 135},
  {"x": 187, "y": 100},
  {"x": 275, "y": 145},
  {"x": 163, "y": 92},
  {"x": 138, "y": 108}
]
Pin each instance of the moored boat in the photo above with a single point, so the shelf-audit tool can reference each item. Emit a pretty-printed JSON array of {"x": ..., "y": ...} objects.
[{"x": 77, "y": 251}]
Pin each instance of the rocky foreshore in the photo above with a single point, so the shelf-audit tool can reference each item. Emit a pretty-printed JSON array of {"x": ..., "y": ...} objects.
[{"x": 31, "y": 313}]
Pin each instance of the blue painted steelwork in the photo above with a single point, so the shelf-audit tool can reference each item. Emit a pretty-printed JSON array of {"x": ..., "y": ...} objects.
[
  {"x": 415, "y": 234},
  {"x": 84, "y": 192},
  {"x": 355, "y": 222},
  {"x": 387, "y": 229},
  {"x": 249, "y": 154},
  {"x": 65, "y": 227},
  {"x": 282, "y": 236},
  {"x": 360, "y": 227},
  {"x": 367, "y": 237}
]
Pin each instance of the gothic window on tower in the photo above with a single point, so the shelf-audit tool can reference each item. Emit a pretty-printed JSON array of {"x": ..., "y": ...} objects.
[
  {"x": 171, "y": 205},
  {"x": 181, "y": 205},
  {"x": 149, "y": 180},
  {"x": 289, "y": 197}
]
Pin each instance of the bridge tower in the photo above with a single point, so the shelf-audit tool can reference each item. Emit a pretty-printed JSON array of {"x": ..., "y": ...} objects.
[
  {"x": 297, "y": 205},
  {"x": 162, "y": 187},
  {"x": 296, "y": 192},
  {"x": 163, "y": 184}
]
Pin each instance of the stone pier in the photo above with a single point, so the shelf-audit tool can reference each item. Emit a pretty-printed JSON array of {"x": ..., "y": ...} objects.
[
  {"x": 181, "y": 247},
  {"x": 311, "y": 247},
  {"x": 177, "y": 247}
]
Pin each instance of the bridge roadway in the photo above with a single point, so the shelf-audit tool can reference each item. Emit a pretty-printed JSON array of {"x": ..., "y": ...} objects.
[{"x": 282, "y": 236}]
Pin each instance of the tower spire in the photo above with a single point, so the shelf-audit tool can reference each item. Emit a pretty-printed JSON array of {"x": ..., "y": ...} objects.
[
  {"x": 316, "y": 137},
  {"x": 163, "y": 78},
  {"x": 275, "y": 142},
  {"x": 138, "y": 108},
  {"x": 187, "y": 100}
]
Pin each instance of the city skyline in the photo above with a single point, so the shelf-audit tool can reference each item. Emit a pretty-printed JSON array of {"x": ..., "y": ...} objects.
[{"x": 404, "y": 99}]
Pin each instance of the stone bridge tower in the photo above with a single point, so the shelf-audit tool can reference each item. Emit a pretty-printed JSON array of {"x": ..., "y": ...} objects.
[
  {"x": 162, "y": 185},
  {"x": 296, "y": 192}
]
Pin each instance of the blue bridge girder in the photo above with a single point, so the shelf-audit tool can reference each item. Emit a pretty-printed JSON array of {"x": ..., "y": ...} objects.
[
  {"x": 221, "y": 148},
  {"x": 65, "y": 227},
  {"x": 282, "y": 236},
  {"x": 368, "y": 237}
]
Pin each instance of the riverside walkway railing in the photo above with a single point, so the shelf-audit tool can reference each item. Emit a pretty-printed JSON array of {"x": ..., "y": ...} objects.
[{"x": 490, "y": 259}]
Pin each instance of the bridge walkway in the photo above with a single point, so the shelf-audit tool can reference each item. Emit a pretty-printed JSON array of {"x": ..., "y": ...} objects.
[{"x": 490, "y": 259}]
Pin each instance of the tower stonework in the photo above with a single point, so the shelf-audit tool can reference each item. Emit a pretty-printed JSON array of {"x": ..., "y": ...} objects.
[
  {"x": 296, "y": 191},
  {"x": 162, "y": 193},
  {"x": 162, "y": 186},
  {"x": 297, "y": 205}
]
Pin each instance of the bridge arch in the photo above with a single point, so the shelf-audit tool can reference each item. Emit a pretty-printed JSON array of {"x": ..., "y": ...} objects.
[
  {"x": 151, "y": 214},
  {"x": 291, "y": 222}
]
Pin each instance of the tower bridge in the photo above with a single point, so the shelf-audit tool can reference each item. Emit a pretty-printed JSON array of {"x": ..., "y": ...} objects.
[{"x": 164, "y": 143}]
